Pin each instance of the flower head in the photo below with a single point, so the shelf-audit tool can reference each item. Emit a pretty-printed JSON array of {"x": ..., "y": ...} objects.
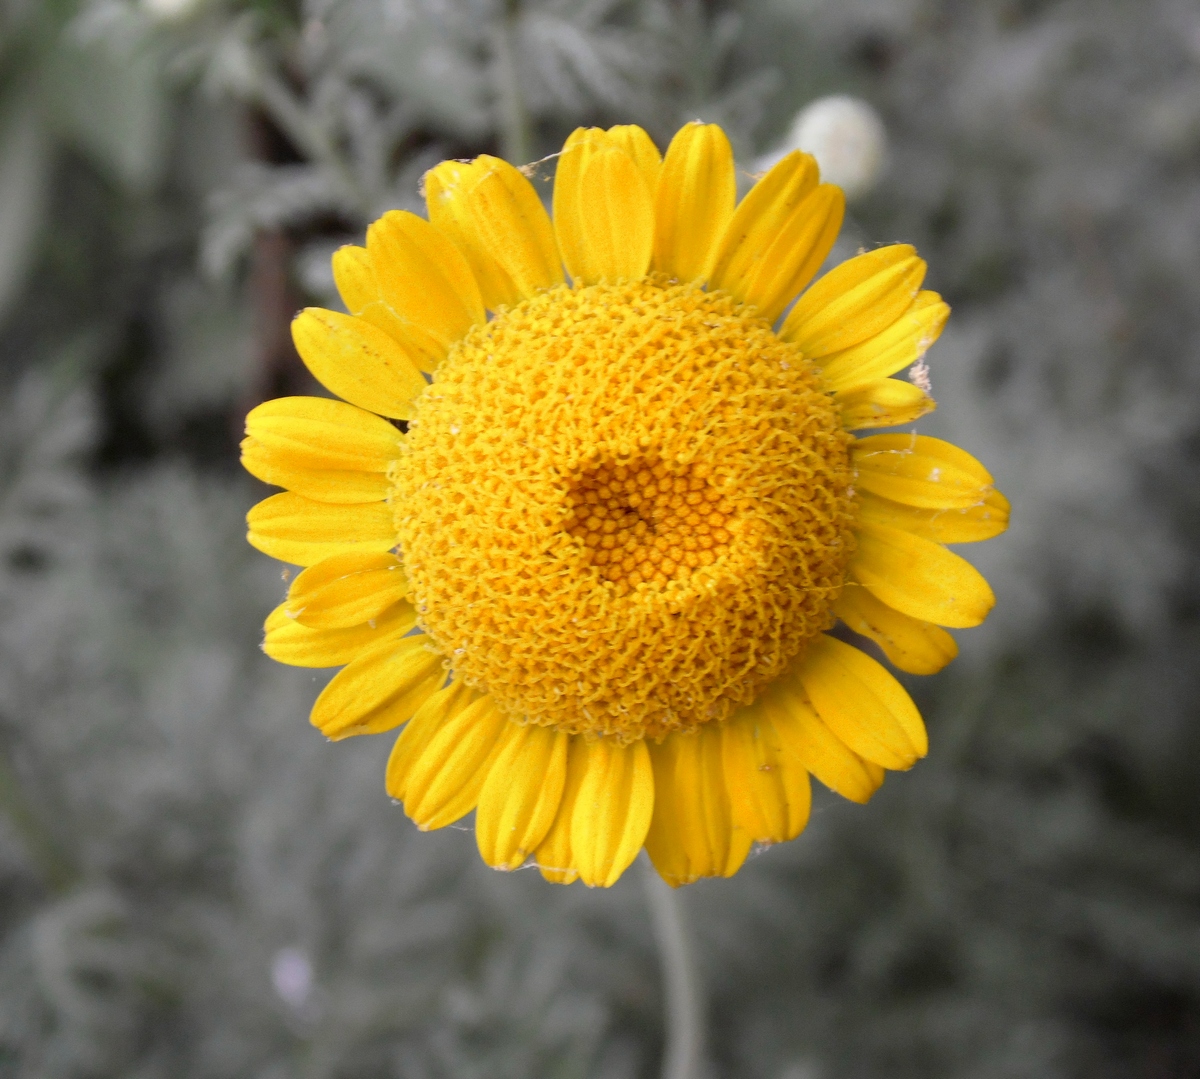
[{"x": 594, "y": 578}]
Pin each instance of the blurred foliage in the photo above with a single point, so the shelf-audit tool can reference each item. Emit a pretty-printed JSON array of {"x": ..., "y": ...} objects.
[{"x": 192, "y": 883}]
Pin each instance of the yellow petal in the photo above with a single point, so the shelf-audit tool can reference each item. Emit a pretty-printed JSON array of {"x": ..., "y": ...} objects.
[
  {"x": 862, "y": 704},
  {"x": 521, "y": 794},
  {"x": 981, "y": 521},
  {"x": 287, "y": 641},
  {"x": 379, "y": 689},
  {"x": 347, "y": 590},
  {"x": 612, "y": 810},
  {"x": 444, "y": 782},
  {"x": 446, "y": 187},
  {"x": 855, "y": 301},
  {"x": 768, "y": 785},
  {"x": 554, "y": 857},
  {"x": 355, "y": 278},
  {"x": 513, "y": 226},
  {"x": 315, "y": 433},
  {"x": 901, "y": 345},
  {"x": 358, "y": 285},
  {"x": 571, "y": 204},
  {"x": 323, "y": 485},
  {"x": 301, "y": 531},
  {"x": 439, "y": 708},
  {"x": 912, "y": 645},
  {"x": 919, "y": 471},
  {"x": 693, "y": 833},
  {"x": 920, "y": 578},
  {"x": 695, "y": 197},
  {"x": 357, "y": 361},
  {"x": 887, "y": 402},
  {"x": 322, "y": 449},
  {"x": 618, "y": 229},
  {"x": 773, "y": 200},
  {"x": 641, "y": 149},
  {"x": 603, "y": 212},
  {"x": 814, "y": 745},
  {"x": 779, "y": 236},
  {"x": 425, "y": 281}
]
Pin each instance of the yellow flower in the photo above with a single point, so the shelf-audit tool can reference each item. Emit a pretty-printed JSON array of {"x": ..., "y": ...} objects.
[{"x": 594, "y": 577}]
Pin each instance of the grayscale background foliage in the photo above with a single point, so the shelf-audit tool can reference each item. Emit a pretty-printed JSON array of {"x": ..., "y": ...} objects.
[{"x": 193, "y": 884}]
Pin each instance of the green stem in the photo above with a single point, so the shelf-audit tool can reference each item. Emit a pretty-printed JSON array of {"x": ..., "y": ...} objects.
[
  {"x": 44, "y": 851},
  {"x": 515, "y": 142},
  {"x": 683, "y": 1054}
]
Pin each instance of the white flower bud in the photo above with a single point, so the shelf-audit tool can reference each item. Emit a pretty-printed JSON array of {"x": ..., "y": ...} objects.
[
  {"x": 292, "y": 976},
  {"x": 169, "y": 10}
]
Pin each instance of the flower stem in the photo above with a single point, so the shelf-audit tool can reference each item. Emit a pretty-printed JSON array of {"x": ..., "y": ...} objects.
[
  {"x": 514, "y": 121},
  {"x": 684, "y": 1002},
  {"x": 43, "y": 850}
]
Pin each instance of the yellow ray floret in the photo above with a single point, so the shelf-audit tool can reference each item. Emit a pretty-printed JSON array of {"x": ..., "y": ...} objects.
[
  {"x": 446, "y": 189},
  {"x": 768, "y": 786},
  {"x": 641, "y": 150},
  {"x": 554, "y": 855},
  {"x": 510, "y": 224},
  {"x": 603, "y": 210},
  {"x": 920, "y": 471},
  {"x": 347, "y": 590},
  {"x": 428, "y": 719},
  {"x": 592, "y": 583},
  {"x": 822, "y": 753},
  {"x": 695, "y": 198},
  {"x": 302, "y": 531},
  {"x": 912, "y": 645},
  {"x": 425, "y": 282},
  {"x": 358, "y": 285},
  {"x": 855, "y": 301},
  {"x": 358, "y": 362},
  {"x": 290, "y": 641},
  {"x": 981, "y": 520},
  {"x": 612, "y": 810},
  {"x": 521, "y": 794},
  {"x": 693, "y": 833},
  {"x": 892, "y": 349},
  {"x": 379, "y": 689},
  {"x": 862, "y": 704},
  {"x": 779, "y": 236},
  {"x": 324, "y": 450},
  {"x": 920, "y": 578},
  {"x": 887, "y": 402},
  {"x": 443, "y": 783}
]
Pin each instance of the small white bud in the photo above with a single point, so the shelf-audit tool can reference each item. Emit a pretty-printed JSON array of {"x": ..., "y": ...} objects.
[
  {"x": 292, "y": 976},
  {"x": 169, "y": 10}
]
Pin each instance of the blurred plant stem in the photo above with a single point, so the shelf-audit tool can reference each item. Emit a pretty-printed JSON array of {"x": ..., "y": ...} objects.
[
  {"x": 306, "y": 132},
  {"x": 683, "y": 1008},
  {"x": 513, "y": 119},
  {"x": 43, "y": 850}
]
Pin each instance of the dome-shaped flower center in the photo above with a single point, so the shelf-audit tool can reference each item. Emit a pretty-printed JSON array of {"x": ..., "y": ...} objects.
[{"x": 624, "y": 509}]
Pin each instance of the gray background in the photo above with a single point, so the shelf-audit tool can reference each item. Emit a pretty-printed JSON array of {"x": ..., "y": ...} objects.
[{"x": 194, "y": 884}]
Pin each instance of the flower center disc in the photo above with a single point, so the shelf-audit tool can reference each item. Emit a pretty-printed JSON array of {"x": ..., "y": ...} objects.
[
  {"x": 624, "y": 509},
  {"x": 644, "y": 521}
]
